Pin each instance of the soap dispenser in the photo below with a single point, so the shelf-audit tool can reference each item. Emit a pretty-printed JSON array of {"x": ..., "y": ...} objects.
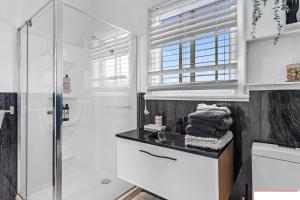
[
  {"x": 67, "y": 113},
  {"x": 63, "y": 112}
]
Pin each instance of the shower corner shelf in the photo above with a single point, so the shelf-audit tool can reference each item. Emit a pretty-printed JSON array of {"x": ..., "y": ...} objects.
[
  {"x": 67, "y": 96},
  {"x": 70, "y": 123}
]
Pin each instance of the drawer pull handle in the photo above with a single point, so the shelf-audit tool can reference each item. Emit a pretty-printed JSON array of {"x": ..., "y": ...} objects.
[{"x": 169, "y": 158}]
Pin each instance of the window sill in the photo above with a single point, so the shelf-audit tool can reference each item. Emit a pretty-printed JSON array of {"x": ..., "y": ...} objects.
[{"x": 244, "y": 98}]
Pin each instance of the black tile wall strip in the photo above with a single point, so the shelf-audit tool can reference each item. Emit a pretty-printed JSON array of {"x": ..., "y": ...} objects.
[
  {"x": 8, "y": 172},
  {"x": 140, "y": 111},
  {"x": 8, "y": 148}
]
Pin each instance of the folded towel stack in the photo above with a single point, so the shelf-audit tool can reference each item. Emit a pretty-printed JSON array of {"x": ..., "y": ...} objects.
[
  {"x": 211, "y": 143},
  {"x": 209, "y": 125}
]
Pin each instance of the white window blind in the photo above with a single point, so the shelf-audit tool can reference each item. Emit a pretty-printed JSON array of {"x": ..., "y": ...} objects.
[
  {"x": 193, "y": 45},
  {"x": 110, "y": 61}
]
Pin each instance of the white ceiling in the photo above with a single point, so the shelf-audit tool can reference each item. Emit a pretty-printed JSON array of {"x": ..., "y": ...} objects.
[
  {"x": 17, "y": 11},
  {"x": 152, "y": 3},
  {"x": 78, "y": 27}
]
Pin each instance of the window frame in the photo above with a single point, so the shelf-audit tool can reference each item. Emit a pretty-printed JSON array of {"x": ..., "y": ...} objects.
[
  {"x": 240, "y": 93},
  {"x": 102, "y": 79},
  {"x": 192, "y": 54}
]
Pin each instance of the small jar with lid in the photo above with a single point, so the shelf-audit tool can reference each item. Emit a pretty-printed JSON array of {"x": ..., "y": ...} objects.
[{"x": 293, "y": 72}]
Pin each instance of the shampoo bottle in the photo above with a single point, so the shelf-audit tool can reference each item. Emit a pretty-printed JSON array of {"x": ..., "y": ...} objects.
[{"x": 67, "y": 84}]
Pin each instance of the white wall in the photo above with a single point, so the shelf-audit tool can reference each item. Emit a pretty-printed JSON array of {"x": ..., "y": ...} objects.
[
  {"x": 267, "y": 63},
  {"x": 7, "y": 56},
  {"x": 266, "y": 26},
  {"x": 12, "y": 14}
]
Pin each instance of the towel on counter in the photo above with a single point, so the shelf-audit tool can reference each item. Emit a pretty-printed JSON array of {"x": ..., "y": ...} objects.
[
  {"x": 219, "y": 124},
  {"x": 209, "y": 121},
  {"x": 200, "y": 130},
  {"x": 211, "y": 143}
]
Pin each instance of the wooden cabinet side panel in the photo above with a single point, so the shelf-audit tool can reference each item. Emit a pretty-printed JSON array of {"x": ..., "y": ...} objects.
[{"x": 226, "y": 173}]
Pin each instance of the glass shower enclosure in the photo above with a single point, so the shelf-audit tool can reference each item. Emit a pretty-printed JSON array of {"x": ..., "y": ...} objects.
[{"x": 77, "y": 76}]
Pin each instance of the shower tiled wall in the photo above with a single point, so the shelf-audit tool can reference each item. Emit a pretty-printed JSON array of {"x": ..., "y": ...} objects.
[
  {"x": 269, "y": 116},
  {"x": 8, "y": 148}
]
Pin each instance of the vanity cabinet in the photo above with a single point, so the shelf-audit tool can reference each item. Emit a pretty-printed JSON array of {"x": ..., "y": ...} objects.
[{"x": 174, "y": 174}]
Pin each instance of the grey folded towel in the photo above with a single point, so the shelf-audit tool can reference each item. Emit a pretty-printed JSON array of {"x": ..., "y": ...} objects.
[
  {"x": 219, "y": 124},
  {"x": 209, "y": 114},
  {"x": 199, "y": 130}
]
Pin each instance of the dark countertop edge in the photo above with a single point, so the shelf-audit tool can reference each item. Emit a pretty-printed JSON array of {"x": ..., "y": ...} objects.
[{"x": 195, "y": 151}]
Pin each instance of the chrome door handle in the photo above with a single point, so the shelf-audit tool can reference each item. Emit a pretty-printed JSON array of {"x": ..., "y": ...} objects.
[{"x": 157, "y": 156}]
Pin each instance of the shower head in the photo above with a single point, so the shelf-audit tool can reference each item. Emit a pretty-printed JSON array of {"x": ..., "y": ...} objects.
[{"x": 94, "y": 37}]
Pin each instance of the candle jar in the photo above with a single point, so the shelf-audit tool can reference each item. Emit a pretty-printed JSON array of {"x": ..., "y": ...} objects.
[{"x": 293, "y": 72}]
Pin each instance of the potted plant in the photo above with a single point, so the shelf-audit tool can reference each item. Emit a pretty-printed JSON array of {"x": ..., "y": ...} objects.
[{"x": 279, "y": 5}]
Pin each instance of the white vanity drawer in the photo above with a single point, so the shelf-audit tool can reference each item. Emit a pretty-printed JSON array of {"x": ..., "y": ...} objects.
[{"x": 169, "y": 173}]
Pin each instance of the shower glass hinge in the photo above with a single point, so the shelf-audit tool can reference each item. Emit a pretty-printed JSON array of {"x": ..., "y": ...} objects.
[
  {"x": 29, "y": 23},
  {"x": 18, "y": 197}
]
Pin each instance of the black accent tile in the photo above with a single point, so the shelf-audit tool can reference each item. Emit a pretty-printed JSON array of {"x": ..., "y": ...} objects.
[
  {"x": 8, "y": 130},
  {"x": 8, "y": 148},
  {"x": 8, "y": 172},
  {"x": 254, "y": 117},
  {"x": 165, "y": 108}
]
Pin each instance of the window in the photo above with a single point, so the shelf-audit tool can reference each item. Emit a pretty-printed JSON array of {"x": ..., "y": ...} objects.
[
  {"x": 193, "y": 45},
  {"x": 110, "y": 62}
]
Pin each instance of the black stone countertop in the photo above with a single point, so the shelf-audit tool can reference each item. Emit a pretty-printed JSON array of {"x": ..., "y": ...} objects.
[{"x": 174, "y": 141}]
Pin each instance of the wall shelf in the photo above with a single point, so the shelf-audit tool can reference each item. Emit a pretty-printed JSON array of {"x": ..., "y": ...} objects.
[
  {"x": 289, "y": 31},
  {"x": 70, "y": 123},
  {"x": 67, "y": 97},
  {"x": 273, "y": 86}
]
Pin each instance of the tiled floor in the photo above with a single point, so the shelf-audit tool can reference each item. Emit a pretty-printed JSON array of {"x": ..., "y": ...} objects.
[{"x": 145, "y": 196}]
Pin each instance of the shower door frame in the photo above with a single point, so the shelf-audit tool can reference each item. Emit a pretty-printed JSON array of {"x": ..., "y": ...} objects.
[{"x": 57, "y": 94}]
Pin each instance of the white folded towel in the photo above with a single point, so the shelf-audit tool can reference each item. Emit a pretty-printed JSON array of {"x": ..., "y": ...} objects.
[
  {"x": 203, "y": 106},
  {"x": 2, "y": 113},
  {"x": 211, "y": 143}
]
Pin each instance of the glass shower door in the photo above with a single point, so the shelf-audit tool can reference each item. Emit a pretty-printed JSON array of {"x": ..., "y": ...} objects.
[
  {"x": 98, "y": 76},
  {"x": 36, "y": 109},
  {"x": 99, "y": 66}
]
